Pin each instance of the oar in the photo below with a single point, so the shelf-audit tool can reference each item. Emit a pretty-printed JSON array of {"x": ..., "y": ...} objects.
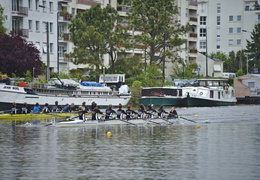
[
  {"x": 127, "y": 122},
  {"x": 167, "y": 121},
  {"x": 187, "y": 119},
  {"x": 152, "y": 121}
]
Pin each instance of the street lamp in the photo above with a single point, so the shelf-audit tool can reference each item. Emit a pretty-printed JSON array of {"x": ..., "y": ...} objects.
[
  {"x": 58, "y": 63},
  {"x": 254, "y": 47}
]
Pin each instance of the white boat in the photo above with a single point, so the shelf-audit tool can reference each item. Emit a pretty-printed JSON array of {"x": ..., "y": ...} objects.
[
  {"x": 49, "y": 94},
  {"x": 210, "y": 92},
  {"x": 79, "y": 123}
]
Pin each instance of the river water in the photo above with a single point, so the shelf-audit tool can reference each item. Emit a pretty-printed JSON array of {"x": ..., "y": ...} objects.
[{"x": 223, "y": 144}]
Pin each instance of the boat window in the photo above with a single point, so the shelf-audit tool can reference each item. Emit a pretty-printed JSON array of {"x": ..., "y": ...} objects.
[
  {"x": 7, "y": 87},
  {"x": 16, "y": 88},
  {"x": 202, "y": 83},
  {"x": 211, "y": 94},
  {"x": 215, "y": 83},
  {"x": 218, "y": 95},
  {"x": 209, "y": 83}
]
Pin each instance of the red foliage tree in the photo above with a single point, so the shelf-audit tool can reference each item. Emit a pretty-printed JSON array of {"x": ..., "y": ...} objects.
[{"x": 17, "y": 55}]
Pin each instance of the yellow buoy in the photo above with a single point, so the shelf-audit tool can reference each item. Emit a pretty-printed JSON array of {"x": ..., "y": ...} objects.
[
  {"x": 109, "y": 133},
  {"x": 198, "y": 126},
  {"x": 184, "y": 108},
  {"x": 196, "y": 115},
  {"x": 244, "y": 112}
]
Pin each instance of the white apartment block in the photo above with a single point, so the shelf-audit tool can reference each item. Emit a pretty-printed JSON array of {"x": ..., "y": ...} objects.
[
  {"x": 221, "y": 24},
  {"x": 29, "y": 17}
]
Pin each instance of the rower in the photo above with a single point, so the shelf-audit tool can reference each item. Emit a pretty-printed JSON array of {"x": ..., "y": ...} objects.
[
  {"x": 161, "y": 112},
  {"x": 95, "y": 112},
  {"x": 46, "y": 108},
  {"x": 141, "y": 112},
  {"x": 81, "y": 113},
  {"x": 109, "y": 112},
  {"x": 56, "y": 107},
  {"x": 120, "y": 112},
  {"x": 25, "y": 109},
  {"x": 14, "y": 109},
  {"x": 150, "y": 111},
  {"x": 130, "y": 112}
]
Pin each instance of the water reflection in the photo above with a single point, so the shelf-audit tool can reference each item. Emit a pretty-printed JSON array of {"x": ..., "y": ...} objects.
[{"x": 226, "y": 148}]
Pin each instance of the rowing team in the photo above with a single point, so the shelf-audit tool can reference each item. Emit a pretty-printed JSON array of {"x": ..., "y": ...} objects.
[{"x": 126, "y": 114}]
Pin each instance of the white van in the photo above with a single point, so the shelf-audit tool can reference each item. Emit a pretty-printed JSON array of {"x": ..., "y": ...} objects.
[{"x": 229, "y": 75}]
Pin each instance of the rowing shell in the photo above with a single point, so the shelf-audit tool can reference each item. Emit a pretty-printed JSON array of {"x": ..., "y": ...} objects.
[
  {"x": 79, "y": 123},
  {"x": 34, "y": 116}
]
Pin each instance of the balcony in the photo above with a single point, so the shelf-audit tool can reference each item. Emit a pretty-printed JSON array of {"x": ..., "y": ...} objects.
[
  {"x": 123, "y": 8},
  {"x": 65, "y": 16},
  {"x": 65, "y": 1},
  {"x": 21, "y": 32},
  {"x": 193, "y": 18},
  {"x": 194, "y": 35},
  {"x": 19, "y": 10},
  {"x": 64, "y": 37},
  {"x": 193, "y": 51},
  {"x": 87, "y": 2}
]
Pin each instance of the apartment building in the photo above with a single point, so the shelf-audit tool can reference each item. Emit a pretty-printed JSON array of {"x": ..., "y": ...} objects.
[{"x": 225, "y": 25}]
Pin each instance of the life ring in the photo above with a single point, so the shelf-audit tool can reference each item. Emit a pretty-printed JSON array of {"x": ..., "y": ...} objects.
[{"x": 201, "y": 93}]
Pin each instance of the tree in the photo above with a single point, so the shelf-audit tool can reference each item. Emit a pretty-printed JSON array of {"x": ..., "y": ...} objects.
[
  {"x": 160, "y": 31},
  {"x": 17, "y": 56},
  {"x": 253, "y": 48},
  {"x": 2, "y": 20},
  {"x": 94, "y": 33}
]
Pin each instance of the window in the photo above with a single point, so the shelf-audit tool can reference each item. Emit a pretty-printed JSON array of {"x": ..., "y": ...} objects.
[
  {"x": 238, "y": 41},
  {"x": 61, "y": 51},
  {"x": 203, "y": 20},
  {"x": 258, "y": 18},
  {"x": 51, "y": 47},
  {"x": 218, "y": 43},
  {"x": 36, "y": 4},
  {"x": 30, "y": 25},
  {"x": 30, "y": 4},
  {"x": 37, "y": 25},
  {"x": 218, "y": 20},
  {"x": 51, "y": 6},
  {"x": 51, "y": 27},
  {"x": 238, "y": 18},
  {"x": 203, "y": 32},
  {"x": 217, "y": 67},
  {"x": 218, "y": 31},
  {"x": 73, "y": 12},
  {"x": 230, "y": 18},
  {"x": 230, "y": 42},
  {"x": 44, "y": 5},
  {"x": 238, "y": 30},
  {"x": 251, "y": 85},
  {"x": 203, "y": 45},
  {"x": 218, "y": 8},
  {"x": 230, "y": 30}
]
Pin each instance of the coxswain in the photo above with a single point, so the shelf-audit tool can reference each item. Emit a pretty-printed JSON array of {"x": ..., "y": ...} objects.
[{"x": 172, "y": 114}]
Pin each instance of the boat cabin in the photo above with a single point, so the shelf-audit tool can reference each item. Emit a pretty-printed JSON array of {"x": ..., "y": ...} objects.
[{"x": 212, "y": 82}]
